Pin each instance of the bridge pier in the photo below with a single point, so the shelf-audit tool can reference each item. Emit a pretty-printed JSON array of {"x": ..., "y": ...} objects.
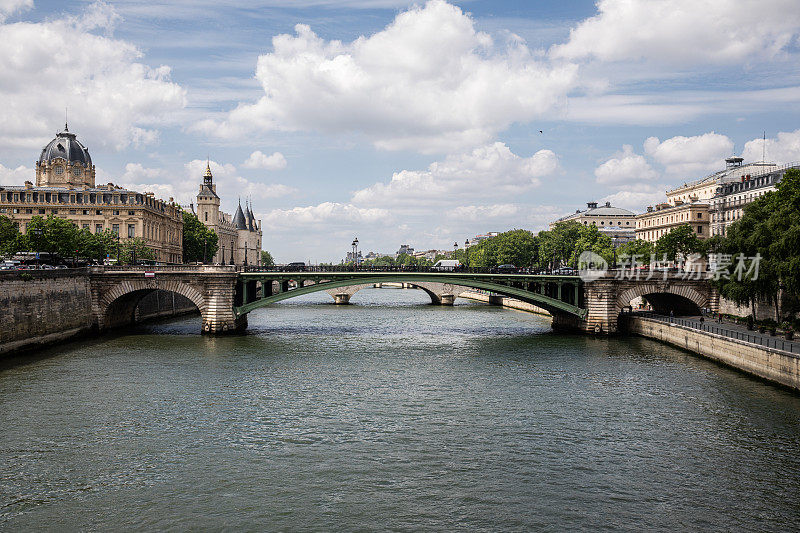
[{"x": 341, "y": 299}]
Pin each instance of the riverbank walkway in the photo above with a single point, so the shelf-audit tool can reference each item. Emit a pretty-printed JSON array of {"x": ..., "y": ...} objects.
[{"x": 728, "y": 329}]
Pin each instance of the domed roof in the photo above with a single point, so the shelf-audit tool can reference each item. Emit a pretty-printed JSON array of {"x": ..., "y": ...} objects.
[{"x": 66, "y": 146}]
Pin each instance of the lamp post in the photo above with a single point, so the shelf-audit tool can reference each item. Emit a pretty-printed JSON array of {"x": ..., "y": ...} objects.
[
  {"x": 117, "y": 237},
  {"x": 614, "y": 250},
  {"x": 355, "y": 252},
  {"x": 205, "y": 239}
]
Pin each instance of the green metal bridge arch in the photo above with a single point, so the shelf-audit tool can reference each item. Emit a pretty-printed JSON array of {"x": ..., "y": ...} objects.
[{"x": 557, "y": 294}]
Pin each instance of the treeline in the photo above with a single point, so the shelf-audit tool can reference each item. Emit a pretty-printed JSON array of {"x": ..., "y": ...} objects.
[
  {"x": 769, "y": 229},
  {"x": 62, "y": 239}
]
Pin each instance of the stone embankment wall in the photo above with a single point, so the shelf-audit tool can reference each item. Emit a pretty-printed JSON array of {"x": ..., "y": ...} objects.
[
  {"x": 773, "y": 365},
  {"x": 511, "y": 303},
  {"x": 39, "y": 308}
]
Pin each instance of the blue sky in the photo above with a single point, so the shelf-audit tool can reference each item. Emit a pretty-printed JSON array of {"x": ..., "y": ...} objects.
[{"x": 402, "y": 122}]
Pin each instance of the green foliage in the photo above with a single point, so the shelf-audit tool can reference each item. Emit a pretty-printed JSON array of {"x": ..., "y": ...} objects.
[
  {"x": 266, "y": 259},
  {"x": 641, "y": 250},
  {"x": 10, "y": 238},
  {"x": 135, "y": 251},
  {"x": 198, "y": 240},
  {"x": 680, "y": 241},
  {"x": 769, "y": 227},
  {"x": 54, "y": 235},
  {"x": 563, "y": 245}
]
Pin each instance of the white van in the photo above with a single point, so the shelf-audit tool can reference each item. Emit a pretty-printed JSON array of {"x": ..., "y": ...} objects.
[{"x": 446, "y": 265}]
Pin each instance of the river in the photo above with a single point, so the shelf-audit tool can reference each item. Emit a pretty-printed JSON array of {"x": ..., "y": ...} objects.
[{"x": 390, "y": 414}]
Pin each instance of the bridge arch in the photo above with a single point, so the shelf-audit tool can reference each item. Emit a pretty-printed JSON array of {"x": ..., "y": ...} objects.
[
  {"x": 515, "y": 289},
  {"x": 681, "y": 299},
  {"x": 117, "y": 306}
]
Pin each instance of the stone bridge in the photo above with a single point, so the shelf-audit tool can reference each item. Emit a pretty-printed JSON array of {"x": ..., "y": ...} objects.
[{"x": 224, "y": 296}]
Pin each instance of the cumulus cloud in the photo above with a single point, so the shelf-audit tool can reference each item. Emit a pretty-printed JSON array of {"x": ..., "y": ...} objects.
[
  {"x": 9, "y": 7},
  {"x": 490, "y": 170},
  {"x": 685, "y": 32},
  {"x": 428, "y": 81},
  {"x": 783, "y": 149},
  {"x": 690, "y": 156},
  {"x": 16, "y": 176},
  {"x": 636, "y": 201},
  {"x": 258, "y": 159},
  {"x": 184, "y": 186},
  {"x": 624, "y": 168},
  {"x": 324, "y": 215},
  {"x": 64, "y": 62}
]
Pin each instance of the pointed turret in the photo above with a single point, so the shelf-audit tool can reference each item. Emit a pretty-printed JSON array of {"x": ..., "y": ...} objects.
[
  {"x": 251, "y": 218},
  {"x": 238, "y": 219}
]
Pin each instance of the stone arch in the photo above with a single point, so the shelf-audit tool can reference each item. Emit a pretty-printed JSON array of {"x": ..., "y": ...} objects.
[
  {"x": 116, "y": 306},
  {"x": 666, "y": 297}
]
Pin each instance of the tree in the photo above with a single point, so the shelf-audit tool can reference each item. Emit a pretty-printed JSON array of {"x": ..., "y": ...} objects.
[
  {"x": 199, "y": 242},
  {"x": 639, "y": 250},
  {"x": 680, "y": 241},
  {"x": 10, "y": 237},
  {"x": 54, "y": 235},
  {"x": 590, "y": 239},
  {"x": 557, "y": 246},
  {"x": 266, "y": 259},
  {"x": 135, "y": 250}
]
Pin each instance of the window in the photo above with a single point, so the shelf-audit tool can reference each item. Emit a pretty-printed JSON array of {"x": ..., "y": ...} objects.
[
  {"x": 98, "y": 228},
  {"x": 98, "y": 212},
  {"x": 55, "y": 211},
  {"x": 41, "y": 211},
  {"x": 206, "y": 214},
  {"x": 29, "y": 211},
  {"x": 86, "y": 227},
  {"x": 131, "y": 213},
  {"x": 72, "y": 211},
  {"x": 699, "y": 215},
  {"x": 85, "y": 211},
  {"x": 699, "y": 229},
  {"x": 131, "y": 231},
  {"x": 115, "y": 212},
  {"x": 59, "y": 170},
  {"x": 115, "y": 228}
]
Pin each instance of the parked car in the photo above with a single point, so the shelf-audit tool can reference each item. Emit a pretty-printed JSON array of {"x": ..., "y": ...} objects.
[
  {"x": 505, "y": 269},
  {"x": 297, "y": 266}
]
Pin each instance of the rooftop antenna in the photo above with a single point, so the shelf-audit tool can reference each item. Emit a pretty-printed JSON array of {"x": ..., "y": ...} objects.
[
  {"x": 764, "y": 148},
  {"x": 66, "y": 122}
]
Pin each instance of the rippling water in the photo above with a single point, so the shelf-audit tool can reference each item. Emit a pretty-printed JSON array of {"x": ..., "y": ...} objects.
[{"x": 391, "y": 414}]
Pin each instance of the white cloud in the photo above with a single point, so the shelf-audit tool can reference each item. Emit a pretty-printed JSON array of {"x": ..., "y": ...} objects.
[
  {"x": 483, "y": 212},
  {"x": 258, "y": 159},
  {"x": 428, "y": 81},
  {"x": 184, "y": 186},
  {"x": 487, "y": 171},
  {"x": 690, "y": 156},
  {"x": 324, "y": 216},
  {"x": 61, "y": 63},
  {"x": 636, "y": 201},
  {"x": 16, "y": 176},
  {"x": 626, "y": 167},
  {"x": 9, "y": 7},
  {"x": 784, "y": 149},
  {"x": 684, "y": 32}
]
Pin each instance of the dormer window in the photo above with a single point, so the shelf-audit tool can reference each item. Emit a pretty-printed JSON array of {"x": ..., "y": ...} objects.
[{"x": 60, "y": 147}]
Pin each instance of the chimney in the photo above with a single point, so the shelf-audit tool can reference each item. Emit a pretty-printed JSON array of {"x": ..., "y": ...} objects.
[
  {"x": 608, "y": 204},
  {"x": 28, "y": 184},
  {"x": 649, "y": 208}
]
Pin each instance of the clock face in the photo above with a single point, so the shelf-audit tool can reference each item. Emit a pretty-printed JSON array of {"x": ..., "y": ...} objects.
[
  {"x": 59, "y": 170},
  {"x": 77, "y": 171}
]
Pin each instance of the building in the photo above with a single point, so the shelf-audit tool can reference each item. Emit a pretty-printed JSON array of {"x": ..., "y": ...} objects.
[
  {"x": 706, "y": 188},
  {"x": 618, "y": 223},
  {"x": 477, "y": 239},
  {"x": 65, "y": 187},
  {"x": 405, "y": 249},
  {"x": 239, "y": 235},
  {"x": 697, "y": 202},
  {"x": 727, "y": 205},
  {"x": 663, "y": 218}
]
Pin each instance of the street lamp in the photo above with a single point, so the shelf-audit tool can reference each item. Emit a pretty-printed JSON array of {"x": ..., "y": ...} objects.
[
  {"x": 355, "y": 251},
  {"x": 117, "y": 236},
  {"x": 205, "y": 239}
]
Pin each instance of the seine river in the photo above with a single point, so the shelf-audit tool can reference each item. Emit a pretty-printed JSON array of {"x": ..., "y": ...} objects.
[{"x": 391, "y": 414}]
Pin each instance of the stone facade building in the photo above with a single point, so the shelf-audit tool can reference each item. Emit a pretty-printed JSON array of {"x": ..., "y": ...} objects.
[
  {"x": 617, "y": 223},
  {"x": 663, "y": 218},
  {"x": 727, "y": 205},
  {"x": 65, "y": 187},
  {"x": 239, "y": 235}
]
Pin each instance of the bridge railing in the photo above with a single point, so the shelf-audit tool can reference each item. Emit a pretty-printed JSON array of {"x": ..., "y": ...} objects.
[
  {"x": 405, "y": 268},
  {"x": 731, "y": 332}
]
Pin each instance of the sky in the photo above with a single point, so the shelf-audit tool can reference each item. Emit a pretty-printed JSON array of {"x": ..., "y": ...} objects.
[{"x": 421, "y": 123}]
